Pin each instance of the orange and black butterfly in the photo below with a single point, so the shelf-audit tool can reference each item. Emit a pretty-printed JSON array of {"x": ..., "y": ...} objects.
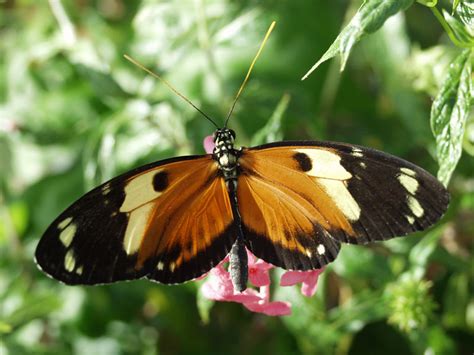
[{"x": 291, "y": 204}]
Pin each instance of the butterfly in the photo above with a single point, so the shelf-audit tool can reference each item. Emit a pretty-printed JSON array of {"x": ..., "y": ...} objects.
[{"x": 292, "y": 204}]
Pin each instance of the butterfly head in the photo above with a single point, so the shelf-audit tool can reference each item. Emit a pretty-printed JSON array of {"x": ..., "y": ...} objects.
[{"x": 224, "y": 137}]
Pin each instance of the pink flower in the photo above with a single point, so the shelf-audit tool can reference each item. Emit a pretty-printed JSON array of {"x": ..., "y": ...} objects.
[
  {"x": 309, "y": 280},
  {"x": 218, "y": 286}
]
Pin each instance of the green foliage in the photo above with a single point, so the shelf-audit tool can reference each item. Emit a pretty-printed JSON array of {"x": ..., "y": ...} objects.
[
  {"x": 370, "y": 17},
  {"x": 410, "y": 304},
  {"x": 74, "y": 113},
  {"x": 450, "y": 112}
]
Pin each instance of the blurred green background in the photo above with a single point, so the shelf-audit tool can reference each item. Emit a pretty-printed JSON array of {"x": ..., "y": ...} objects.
[{"x": 74, "y": 113}]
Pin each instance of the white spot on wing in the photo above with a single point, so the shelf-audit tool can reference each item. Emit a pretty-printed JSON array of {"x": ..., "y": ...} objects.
[
  {"x": 172, "y": 266},
  {"x": 69, "y": 261},
  {"x": 363, "y": 165},
  {"x": 321, "y": 249},
  {"x": 139, "y": 191},
  {"x": 341, "y": 196},
  {"x": 308, "y": 253},
  {"x": 160, "y": 266},
  {"x": 325, "y": 164},
  {"x": 79, "y": 270},
  {"x": 105, "y": 189},
  {"x": 356, "y": 152},
  {"x": 415, "y": 207},
  {"x": 67, "y": 235},
  {"x": 137, "y": 224},
  {"x": 408, "y": 171},
  {"x": 410, "y": 219},
  {"x": 63, "y": 224},
  {"x": 409, "y": 183}
]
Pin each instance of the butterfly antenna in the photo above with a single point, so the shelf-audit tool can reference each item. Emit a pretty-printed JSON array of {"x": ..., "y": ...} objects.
[
  {"x": 141, "y": 66},
  {"x": 270, "y": 29}
]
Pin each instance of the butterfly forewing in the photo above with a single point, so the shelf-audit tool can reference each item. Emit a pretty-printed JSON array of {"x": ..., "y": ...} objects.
[
  {"x": 170, "y": 221},
  {"x": 302, "y": 198}
]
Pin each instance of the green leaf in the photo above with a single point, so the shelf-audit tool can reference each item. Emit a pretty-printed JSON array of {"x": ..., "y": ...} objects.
[
  {"x": 102, "y": 83},
  {"x": 461, "y": 31},
  {"x": 468, "y": 142},
  {"x": 455, "y": 5},
  {"x": 465, "y": 12},
  {"x": 449, "y": 114},
  {"x": 368, "y": 19},
  {"x": 428, "y": 3},
  {"x": 420, "y": 254},
  {"x": 272, "y": 131}
]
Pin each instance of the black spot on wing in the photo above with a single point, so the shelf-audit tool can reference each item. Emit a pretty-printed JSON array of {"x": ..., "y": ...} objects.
[
  {"x": 198, "y": 265},
  {"x": 160, "y": 181},
  {"x": 304, "y": 161},
  {"x": 322, "y": 249}
]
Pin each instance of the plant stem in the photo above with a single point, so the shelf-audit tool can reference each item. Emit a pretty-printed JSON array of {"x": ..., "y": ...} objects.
[{"x": 447, "y": 28}]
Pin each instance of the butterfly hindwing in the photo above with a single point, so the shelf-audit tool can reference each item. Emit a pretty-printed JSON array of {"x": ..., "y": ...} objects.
[
  {"x": 309, "y": 196},
  {"x": 170, "y": 221}
]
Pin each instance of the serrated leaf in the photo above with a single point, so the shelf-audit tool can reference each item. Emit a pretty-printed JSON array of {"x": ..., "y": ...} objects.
[
  {"x": 460, "y": 30},
  {"x": 465, "y": 11},
  {"x": 368, "y": 19},
  {"x": 449, "y": 114}
]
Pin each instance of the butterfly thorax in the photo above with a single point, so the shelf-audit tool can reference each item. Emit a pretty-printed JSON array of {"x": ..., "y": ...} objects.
[{"x": 225, "y": 154}]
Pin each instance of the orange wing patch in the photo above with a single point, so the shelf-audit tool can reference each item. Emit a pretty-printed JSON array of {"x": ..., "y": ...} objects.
[
  {"x": 354, "y": 194},
  {"x": 180, "y": 217},
  {"x": 170, "y": 221},
  {"x": 287, "y": 218}
]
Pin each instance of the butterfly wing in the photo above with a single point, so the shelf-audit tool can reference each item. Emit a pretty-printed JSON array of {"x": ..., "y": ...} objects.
[
  {"x": 301, "y": 199},
  {"x": 170, "y": 221}
]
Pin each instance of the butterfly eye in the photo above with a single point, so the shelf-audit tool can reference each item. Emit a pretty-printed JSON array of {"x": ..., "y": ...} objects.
[{"x": 232, "y": 133}]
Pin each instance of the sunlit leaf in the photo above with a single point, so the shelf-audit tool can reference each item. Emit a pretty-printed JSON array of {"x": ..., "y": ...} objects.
[
  {"x": 370, "y": 17},
  {"x": 429, "y": 3},
  {"x": 461, "y": 30},
  {"x": 455, "y": 5},
  {"x": 449, "y": 113},
  {"x": 465, "y": 11}
]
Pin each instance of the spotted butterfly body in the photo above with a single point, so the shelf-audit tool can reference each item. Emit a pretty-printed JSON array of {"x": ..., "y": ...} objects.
[{"x": 291, "y": 204}]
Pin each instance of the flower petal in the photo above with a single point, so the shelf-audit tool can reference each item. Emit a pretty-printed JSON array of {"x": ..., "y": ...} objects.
[
  {"x": 309, "y": 280},
  {"x": 291, "y": 278},
  {"x": 258, "y": 273},
  {"x": 270, "y": 308},
  {"x": 219, "y": 287},
  {"x": 308, "y": 288}
]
